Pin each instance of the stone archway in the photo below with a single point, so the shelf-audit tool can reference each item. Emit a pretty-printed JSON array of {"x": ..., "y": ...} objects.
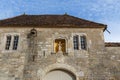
[
  {"x": 60, "y": 68},
  {"x": 59, "y": 74}
]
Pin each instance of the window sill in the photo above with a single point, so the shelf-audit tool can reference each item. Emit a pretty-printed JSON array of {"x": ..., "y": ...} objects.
[{"x": 9, "y": 51}]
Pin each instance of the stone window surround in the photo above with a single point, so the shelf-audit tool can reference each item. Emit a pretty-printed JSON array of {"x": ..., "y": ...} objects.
[
  {"x": 79, "y": 34},
  {"x": 12, "y": 41}
]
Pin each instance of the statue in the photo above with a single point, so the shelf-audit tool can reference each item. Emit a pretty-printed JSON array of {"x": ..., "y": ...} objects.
[
  {"x": 60, "y": 48},
  {"x": 60, "y": 57}
]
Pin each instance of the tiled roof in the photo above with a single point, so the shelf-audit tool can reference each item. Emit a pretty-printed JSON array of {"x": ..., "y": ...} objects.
[
  {"x": 112, "y": 44},
  {"x": 50, "y": 20}
]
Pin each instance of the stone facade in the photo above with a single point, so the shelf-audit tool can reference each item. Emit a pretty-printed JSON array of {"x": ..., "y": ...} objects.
[{"x": 35, "y": 56}]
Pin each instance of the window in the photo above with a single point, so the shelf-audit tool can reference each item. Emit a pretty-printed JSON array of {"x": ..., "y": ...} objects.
[
  {"x": 11, "y": 42},
  {"x": 8, "y": 41},
  {"x": 76, "y": 42},
  {"x": 79, "y": 42},
  {"x": 83, "y": 42},
  {"x": 15, "y": 42}
]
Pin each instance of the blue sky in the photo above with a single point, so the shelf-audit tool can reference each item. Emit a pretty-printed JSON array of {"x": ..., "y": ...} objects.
[{"x": 102, "y": 11}]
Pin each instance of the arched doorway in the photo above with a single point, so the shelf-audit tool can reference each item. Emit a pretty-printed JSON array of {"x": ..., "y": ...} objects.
[
  {"x": 59, "y": 75},
  {"x": 56, "y": 45}
]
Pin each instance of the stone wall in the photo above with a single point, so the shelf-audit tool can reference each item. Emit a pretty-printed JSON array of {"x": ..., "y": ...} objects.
[
  {"x": 84, "y": 64},
  {"x": 113, "y": 61}
]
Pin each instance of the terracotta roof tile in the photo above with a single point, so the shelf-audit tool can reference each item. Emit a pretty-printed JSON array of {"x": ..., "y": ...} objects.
[
  {"x": 112, "y": 44},
  {"x": 54, "y": 20}
]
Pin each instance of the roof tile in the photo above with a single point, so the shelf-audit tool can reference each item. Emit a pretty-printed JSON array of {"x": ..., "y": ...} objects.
[{"x": 54, "y": 20}]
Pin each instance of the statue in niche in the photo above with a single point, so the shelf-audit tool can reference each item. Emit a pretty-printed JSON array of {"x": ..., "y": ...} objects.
[
  {"x": 60, "y": 57},
  {"x": 60, "y": 47}
]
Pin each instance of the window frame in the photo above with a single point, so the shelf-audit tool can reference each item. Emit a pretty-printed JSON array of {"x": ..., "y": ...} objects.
[
  {"x": 15, "y": 42},
  {"x": 80, "y": 43},
  {"x": 83, "y": 42},
  {"x": 8, "y": 42},
  {"x": 76, "y": 42},
  {"x": 12, "y": 42}
]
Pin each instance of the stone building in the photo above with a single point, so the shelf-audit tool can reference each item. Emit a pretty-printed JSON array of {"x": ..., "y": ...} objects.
[{"x": 56, "y": 47}]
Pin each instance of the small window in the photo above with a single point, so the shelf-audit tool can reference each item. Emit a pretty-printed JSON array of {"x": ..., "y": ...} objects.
[
  {"x": 76, "y": 42},
  {"x": 15, "y": 42},
  {"x": 8, "y": 42},
  {"x": 83, "y": 42}
]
